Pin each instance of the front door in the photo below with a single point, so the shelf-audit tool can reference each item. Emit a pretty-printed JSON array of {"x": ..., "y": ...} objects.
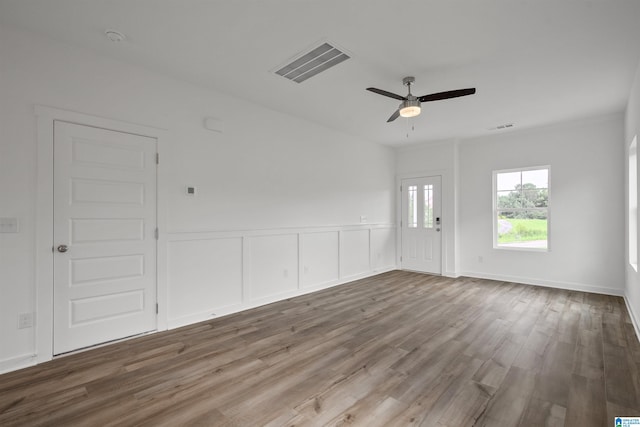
[
  {"x": 104, "y": 235},
  {"x": 421, "y": 225}
]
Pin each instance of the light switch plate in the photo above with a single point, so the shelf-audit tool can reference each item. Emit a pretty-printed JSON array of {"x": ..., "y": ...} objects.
[{"x": 8, "y": 225}]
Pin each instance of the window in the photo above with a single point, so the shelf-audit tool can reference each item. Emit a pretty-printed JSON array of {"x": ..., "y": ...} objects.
[
  {"x": 521, "y": 208},
  {"x": 412, "y": 221},
  {"x": 633, "y": 203},
  {"x": 428, "y": 206}
]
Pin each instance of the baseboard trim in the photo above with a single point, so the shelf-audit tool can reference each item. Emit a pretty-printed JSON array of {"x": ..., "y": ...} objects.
[
  {"x": 570, "y": 286},
  {"x": 633, "y": 316},
  {"x": 16, "y": 363}
]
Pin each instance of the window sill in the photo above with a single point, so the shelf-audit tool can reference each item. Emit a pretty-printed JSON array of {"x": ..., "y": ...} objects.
[{"x": 520, "y": 248}]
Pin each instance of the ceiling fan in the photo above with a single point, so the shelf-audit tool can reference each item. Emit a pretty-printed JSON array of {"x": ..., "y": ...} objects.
[{"x": 410, "y": 105}]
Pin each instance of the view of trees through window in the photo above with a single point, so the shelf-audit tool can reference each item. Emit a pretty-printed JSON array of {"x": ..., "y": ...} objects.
[{"x": 522, "y": 208}]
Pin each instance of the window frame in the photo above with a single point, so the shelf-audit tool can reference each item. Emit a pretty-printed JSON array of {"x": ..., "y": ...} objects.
[
  {"x": 632, "y": 214},
  {"x": 412, "y": 206},
  {"x": 495, "y": 209},
  {"x": 428, "y": 220}
]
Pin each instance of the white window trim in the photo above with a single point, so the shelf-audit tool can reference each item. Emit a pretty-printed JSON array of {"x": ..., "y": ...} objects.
[
  {"x": 633, "y": 203},
  {"x": 495, "y": 209}
]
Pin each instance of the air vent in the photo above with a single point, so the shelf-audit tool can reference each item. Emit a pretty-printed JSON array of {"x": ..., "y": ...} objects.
[
  {"x": 504, "y": 126},
  {"x": 309, "y": 64}
]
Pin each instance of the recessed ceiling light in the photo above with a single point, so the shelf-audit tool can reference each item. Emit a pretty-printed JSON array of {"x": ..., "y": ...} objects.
[{"x": 115, "y": 36}]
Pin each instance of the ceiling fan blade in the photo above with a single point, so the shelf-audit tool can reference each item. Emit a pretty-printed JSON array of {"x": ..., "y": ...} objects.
[
  {"x": 394, "y": 116},
  {"x": 385, "y": 93},
  {"x": 446, "y": 95}
]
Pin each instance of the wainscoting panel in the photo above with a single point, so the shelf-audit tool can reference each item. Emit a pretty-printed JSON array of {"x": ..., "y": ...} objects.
[
  {"x": 383, "y": 253},
  {"x": 320, "y": 258},
  {"x": 355, "y": 253},
  {"x": 214, "y": 273},
  {"x": 274, "y": 265},
  {"x": 204, "y": 276}
]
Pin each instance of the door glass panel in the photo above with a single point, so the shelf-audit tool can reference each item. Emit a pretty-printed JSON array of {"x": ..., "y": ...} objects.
[
  {"x": 412, "y": 193},
  {"x": 428, "y": 206}
]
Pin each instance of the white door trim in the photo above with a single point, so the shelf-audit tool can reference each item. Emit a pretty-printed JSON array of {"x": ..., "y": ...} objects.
[
  {"x": 448, "y": 217},
  {"x": 44, "y": 217}
]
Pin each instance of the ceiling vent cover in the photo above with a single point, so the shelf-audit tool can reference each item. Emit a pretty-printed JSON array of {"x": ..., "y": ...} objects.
[
  {"x": 314, "y": 62},
  {"x": 504, "y": 126}
]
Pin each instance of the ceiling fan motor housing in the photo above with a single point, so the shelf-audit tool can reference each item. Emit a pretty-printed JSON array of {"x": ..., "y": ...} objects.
[
  {"x": 410, "y": 107},
  {"x": 408, "y": 81}
]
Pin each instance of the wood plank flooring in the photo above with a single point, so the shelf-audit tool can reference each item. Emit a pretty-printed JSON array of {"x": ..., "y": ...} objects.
[{"x": 397, "y": 349}]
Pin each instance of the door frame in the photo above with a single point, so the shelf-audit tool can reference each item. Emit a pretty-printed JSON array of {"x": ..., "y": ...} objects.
[
  {"x": 447, "y": 212},
  {"x": 45, "y": 117}
]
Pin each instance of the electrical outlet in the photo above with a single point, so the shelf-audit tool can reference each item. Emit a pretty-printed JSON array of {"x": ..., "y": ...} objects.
[
  {"x": 363, "y": 219},
  {"x": 25, "y": 320}
]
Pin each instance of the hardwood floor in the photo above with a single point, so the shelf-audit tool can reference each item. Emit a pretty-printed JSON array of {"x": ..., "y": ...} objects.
[{"x": 397, "y": 349}]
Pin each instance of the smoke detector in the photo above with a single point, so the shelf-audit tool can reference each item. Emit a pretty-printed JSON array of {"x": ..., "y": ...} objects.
[{"x": 115, "y": 36}]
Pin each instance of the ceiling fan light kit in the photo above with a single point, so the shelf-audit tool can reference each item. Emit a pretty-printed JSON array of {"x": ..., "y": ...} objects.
[
  {"x": 410, "y": 108},
  {"x": 410, "y": 105}
]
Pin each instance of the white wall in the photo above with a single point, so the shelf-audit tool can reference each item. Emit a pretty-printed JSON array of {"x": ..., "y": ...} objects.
[
  {"x": 632, "y": 128},
  {"x": 586, "y": 199},
  {"x": 586, "y": 205},
  {"x": 265, "y": 186},
  {"x": 279, "y": 199}
]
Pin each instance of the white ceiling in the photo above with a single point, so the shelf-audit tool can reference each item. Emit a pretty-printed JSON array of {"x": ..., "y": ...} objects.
[{"x": 533, "y": 62}]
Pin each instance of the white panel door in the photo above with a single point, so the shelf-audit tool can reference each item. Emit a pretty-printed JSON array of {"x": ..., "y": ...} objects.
[
  {"x": 104, "y": 235},
  {"x": 421, "y": 224}
]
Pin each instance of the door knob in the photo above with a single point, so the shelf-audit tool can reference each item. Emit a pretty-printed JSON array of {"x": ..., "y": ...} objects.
[
  {"x": 63, "y": 248},
  {"x": 437, "y": 229}
]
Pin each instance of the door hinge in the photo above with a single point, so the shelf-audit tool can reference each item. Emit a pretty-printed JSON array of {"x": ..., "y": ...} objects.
[
  {"x": 401, "y": 188},
  {"x": 157, "y": 158},
  {"x": 157, "y": 233},
  {"x": 157, "y": 309},
  {"x": 400, "y": 258}
]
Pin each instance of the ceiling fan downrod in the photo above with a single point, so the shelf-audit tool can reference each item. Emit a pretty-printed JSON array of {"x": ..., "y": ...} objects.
[{"x": 408, "y": 81}]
